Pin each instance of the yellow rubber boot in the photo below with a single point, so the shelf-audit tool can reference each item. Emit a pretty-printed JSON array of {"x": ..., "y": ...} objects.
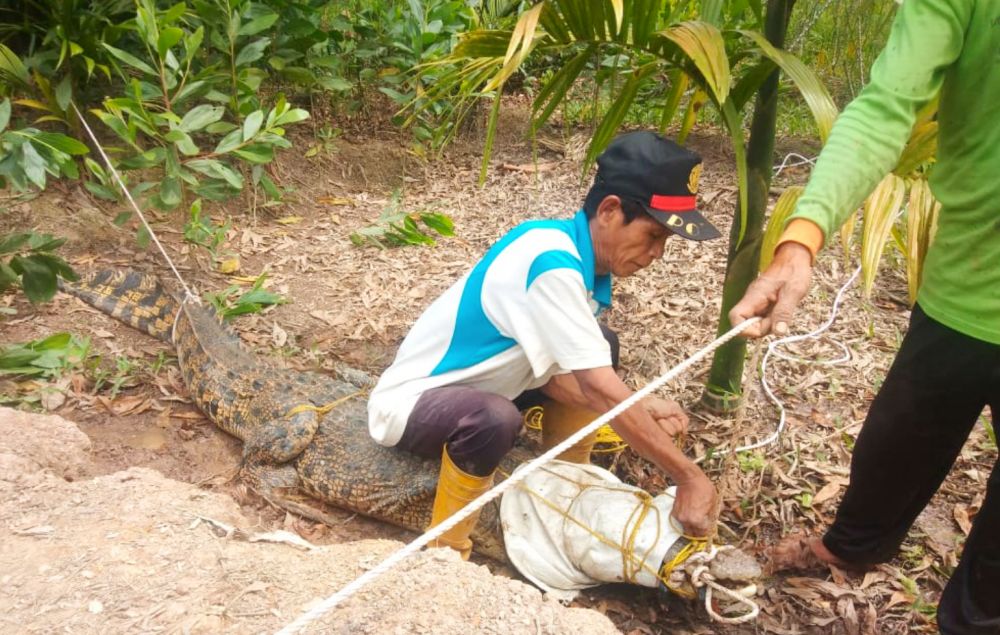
[
  {"x": 559, "y": 421},
  {"x": 455, "y": 489}
]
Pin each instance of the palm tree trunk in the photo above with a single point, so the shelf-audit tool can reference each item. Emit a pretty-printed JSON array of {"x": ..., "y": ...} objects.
[{"x": 724, "y": 388}]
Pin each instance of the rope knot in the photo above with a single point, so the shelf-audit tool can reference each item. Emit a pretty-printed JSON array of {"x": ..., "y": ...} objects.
[{"x": 691, "y": 566}]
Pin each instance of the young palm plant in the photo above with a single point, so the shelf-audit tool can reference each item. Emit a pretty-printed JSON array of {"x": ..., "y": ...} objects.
[{"x": 702, "y": 51}]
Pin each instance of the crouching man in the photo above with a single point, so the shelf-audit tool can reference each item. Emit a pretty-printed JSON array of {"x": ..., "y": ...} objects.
[{"x": 524, "y": 319}]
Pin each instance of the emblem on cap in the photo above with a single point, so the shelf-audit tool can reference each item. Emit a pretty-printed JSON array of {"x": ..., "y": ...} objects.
[{"x": 693, "y": 178}]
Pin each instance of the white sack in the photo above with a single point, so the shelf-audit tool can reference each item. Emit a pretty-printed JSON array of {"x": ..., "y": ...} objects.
[{"x": 561, "y": 556}]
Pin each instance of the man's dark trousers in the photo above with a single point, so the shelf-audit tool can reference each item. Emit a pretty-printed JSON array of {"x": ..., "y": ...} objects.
[
  {"x": 938, "y": 385},
  {"x": 478, "y": 427}
]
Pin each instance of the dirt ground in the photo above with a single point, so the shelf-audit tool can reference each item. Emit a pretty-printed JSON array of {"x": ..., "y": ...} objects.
[
  {"x": 353, "y": 305},
  {"x": 133, "y": 551}
]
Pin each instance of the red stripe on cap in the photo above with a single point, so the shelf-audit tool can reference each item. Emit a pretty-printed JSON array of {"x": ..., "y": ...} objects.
[{"x": 672, "y": 203}]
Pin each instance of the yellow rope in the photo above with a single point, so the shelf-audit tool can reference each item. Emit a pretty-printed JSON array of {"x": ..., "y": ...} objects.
[
  {"x": 324, "y": 408},
  {"x": 606, "y": 436},
  {"x": 691, "y": 548},
  {"x": 610, "y": 441},
  {"x": 533, "y": 418}
]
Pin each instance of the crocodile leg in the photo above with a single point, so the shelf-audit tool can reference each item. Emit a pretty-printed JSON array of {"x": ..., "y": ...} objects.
[
  {"x": 282, "y": 439},
  {"x": 267, "y": 479},
  {"x": 270, "y": 480},
  {"x": 304, "y": 510}
]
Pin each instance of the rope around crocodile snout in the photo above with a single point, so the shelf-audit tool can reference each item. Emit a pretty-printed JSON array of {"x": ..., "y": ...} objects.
[{"x": 696, "y": 568}]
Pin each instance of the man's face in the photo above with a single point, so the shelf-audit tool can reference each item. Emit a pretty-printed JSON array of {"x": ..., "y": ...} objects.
[{"x": 625, "y": 249}]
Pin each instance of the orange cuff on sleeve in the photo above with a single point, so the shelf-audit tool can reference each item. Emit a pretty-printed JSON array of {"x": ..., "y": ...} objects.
[{"x": 806, "y": 233}]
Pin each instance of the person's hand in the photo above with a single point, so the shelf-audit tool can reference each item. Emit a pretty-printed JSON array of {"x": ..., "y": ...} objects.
[
  {"x": 776, "y": 293},
  {"x": 668, "y": 414},
  {"x": 694, "y": 505}
]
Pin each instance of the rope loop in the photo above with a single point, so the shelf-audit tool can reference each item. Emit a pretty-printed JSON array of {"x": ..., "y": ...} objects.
[
  {"x": 322, "y": 410},
  {"x": 697, "y": 570},
  {"x": 608, "y": 440}
]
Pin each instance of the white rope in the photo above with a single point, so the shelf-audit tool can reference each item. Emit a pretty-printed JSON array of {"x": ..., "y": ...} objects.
[
  {"x": 803, "y": 160},
  {"x": 772, "y": 349},
  {"x": 118, "y": 179},
  {"x": 697, "y": 568},
  {"x": 431, "y": 534}
]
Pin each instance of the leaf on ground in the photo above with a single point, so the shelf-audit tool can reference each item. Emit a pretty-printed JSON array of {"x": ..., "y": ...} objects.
[
  {"x": 824, "y": 587},
  {"x": 898, "y": 597},
  {"x": 828, "y": 491},
  {"x": 846, "y": 610},
  {"x": 251, "y": 238},
  {"x": 529, "y": 168},
  {"x": 963, "y": 516},
  {"x": 229, "y": 266},
  {"x": 279, "y": 337},
  {"x": 334, "y": 200},
  {"x": 39, "y": 530},
  {"x": 329, "y": 317},
  {"x": 132, "y": 404},
  {"x": 54, "y": 395},
  {"x": 869, "y": 621},
  {"x": 283, "y": 537},
  {"x": 873, "y": 577}
]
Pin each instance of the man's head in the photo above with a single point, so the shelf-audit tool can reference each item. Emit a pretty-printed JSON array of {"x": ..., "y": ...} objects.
[{"x": 644, "y": 191}]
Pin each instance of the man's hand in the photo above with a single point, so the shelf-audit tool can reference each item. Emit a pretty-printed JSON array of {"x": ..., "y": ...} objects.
[
  {"x": 668, "y": 414},
  {"x": 776, "y": 293},
  {"x": 694, "y": 505}
]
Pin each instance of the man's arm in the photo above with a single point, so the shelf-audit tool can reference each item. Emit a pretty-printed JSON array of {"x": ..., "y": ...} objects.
[
  {"x": 865, "y": 144},
  {"x": 561, "y": 331},
  {"x": 667, "y": 413},
  {"x": 601, "y": 389}
]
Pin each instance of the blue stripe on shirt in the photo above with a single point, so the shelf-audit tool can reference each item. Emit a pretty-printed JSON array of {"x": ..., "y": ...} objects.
[
  {"x": 549, "y": 260},
  {"x": 475, "y": 339}
]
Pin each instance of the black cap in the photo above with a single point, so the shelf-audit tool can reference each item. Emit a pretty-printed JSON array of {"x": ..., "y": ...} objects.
[{"x": 659, "y": 174}]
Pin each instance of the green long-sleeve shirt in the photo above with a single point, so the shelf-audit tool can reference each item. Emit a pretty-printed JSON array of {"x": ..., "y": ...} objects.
[{"x": 952, "y": 45}]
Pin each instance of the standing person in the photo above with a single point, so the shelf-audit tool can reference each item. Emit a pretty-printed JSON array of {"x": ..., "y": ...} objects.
[
  {"x": 948, "y": 366},
  {"x": 524, "y": 318}
]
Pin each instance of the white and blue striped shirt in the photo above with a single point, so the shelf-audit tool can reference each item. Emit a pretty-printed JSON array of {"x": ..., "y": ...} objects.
[{"x": 525, "y": 312}]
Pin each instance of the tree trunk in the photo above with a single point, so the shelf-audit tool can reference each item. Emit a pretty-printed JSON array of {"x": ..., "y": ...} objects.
[{"x": 724, "y": 388}]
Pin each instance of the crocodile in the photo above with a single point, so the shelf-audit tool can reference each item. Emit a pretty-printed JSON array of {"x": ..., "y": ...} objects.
[{"x": 301, "y": 431}]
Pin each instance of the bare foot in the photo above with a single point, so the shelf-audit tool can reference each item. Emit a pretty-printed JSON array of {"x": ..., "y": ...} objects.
[{"x": 798, "y": 551}]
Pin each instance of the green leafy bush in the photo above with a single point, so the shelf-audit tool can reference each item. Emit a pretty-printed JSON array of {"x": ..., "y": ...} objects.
[
  {"x": 422, "y": 33},
  {"x": 233, "y": 301},
  {"x": 311, "y": 46},
  {"x": 28, "y": 156},
  {"x": 46, "y": 358},
  {"x": 173, "y": 115},
  {"x": 62, "y": 46},
  {"x": 204, "y": 232},
  {"x": 28, "y": 259},
  {"x": 397, "y": 227},
  {"x": 352, "y": 49},
  {"x": 186, "y": 83}
]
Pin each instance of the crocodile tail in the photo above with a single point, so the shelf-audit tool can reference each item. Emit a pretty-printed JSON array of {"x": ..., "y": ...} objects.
[{"x": 135, "y": 298}]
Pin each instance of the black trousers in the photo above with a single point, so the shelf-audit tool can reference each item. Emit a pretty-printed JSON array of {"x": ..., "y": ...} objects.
[
  {"x": 938, "y": 385},
  {"x": 478, "y": 427}
]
